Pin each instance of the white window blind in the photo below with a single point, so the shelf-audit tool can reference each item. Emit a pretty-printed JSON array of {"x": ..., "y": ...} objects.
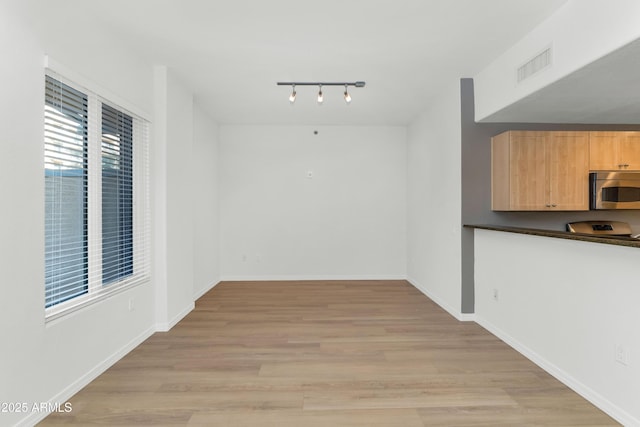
[
  {"x": 117, "y": 195},
  {"x": 96, "y": 198},
  {"x": 66, "y": 180}
]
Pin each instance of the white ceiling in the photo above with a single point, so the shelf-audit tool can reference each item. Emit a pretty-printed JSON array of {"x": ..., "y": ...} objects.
[{"x": 231, "y": 53}]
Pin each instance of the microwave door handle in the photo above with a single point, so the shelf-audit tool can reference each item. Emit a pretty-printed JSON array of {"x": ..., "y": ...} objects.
[{"x": 620, "y": 183}]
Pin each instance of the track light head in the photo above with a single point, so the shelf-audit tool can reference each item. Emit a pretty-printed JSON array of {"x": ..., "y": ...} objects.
[
  {"x": 347, "y": 97},
  {"x": 292, "y": 97},
  {"x": 320, "y": 95}
]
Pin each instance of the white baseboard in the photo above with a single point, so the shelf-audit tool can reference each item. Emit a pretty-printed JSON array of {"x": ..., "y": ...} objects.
[
  {"x": 242, "y": 278},
  {"x": 81, "y": 382},
  {"x": 463, "y": 317},
  {"x": 206, "y": 289},
  {"x": 166, "y": 326},
  {"x": 597, "y": 399},
  {"x": 467, "y": 317}
]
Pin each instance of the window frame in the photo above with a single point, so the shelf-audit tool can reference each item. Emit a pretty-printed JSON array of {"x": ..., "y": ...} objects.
[{"x": 96, "y": 290}]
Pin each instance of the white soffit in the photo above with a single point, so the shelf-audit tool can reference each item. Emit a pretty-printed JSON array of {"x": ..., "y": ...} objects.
[{"x": 607, "y": 91}]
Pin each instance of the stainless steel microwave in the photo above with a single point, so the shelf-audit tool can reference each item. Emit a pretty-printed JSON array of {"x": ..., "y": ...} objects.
[{"x": 614, "y": 190}]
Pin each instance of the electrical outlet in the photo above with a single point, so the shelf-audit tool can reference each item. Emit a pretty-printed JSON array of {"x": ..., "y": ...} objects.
[
  {"x": 496, "y": 295},
  {"x": 621, "y": 354},
  {"x": 244, "y": 258}
]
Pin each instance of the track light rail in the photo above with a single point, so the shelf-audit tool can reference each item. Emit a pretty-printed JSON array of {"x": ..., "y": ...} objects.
[{"x": 356, "y": 84}]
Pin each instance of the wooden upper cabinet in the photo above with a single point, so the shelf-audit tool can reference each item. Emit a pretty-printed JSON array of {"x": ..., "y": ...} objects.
[
  {"x": 630, "y": 151},
  {"x": 527, "y": 174},
  {"x": 533, "y": 171},
  {"x": 614, "y": 150},
  {"x": 568, "y": 170}
]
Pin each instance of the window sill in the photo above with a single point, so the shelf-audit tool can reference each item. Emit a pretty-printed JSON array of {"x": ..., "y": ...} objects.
[{"x": 64, "y": 309}]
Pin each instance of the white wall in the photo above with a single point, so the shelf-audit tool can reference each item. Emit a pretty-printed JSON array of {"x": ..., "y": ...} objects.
[
  {"x": 434, "y": 201},
  {"x": 580, "y": 32},
  {"x": 185, "y": 200},
  {"x": 206, "y": 250},
  {"x": 566, "y": 305},
  {"x": 347, "y": 221},
  {"x": 98, "y": 55},
  {"x": 47, "y": 362},
  {"x": 174, "y": 202}
]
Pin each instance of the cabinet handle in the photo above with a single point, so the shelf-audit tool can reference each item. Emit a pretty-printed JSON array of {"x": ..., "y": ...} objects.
[
  {"x": 548, "y": 205},
  {"x": 553, "y": 206}
]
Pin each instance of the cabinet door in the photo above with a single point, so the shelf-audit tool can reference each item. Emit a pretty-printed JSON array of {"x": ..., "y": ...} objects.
[
  {"x": 500, "y": 167},
  {"x": 629, "y": 150},
  {"x": 603, "y": 150},
  {"x": 527, "y": 171},
  {"x": 567, "y": 163}
]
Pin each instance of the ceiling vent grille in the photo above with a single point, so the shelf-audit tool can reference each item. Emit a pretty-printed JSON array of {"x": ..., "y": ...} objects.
[{"x": 534, "y": 65}]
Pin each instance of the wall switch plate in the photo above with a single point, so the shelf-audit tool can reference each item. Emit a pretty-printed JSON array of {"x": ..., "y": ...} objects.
[
  {"x": 496, "y": 295},
  {"x": 131, "y": 304},
  {"x": 309, "y": 174},
  {"x": 621, "y": 354}
]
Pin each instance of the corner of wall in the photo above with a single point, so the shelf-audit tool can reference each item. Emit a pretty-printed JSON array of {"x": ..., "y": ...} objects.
[{"x": 434, "y": 200}]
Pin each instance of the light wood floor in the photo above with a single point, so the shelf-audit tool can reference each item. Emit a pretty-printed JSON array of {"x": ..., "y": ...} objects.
[{"x": 365, "y": 353}]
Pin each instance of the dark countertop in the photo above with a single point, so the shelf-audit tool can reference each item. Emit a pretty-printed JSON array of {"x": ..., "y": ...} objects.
[{"x": 607, "y": 240}]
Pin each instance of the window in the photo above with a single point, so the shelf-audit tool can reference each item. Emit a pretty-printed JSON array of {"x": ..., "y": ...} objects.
[
  {"x": 96, "y": 197},
  {"x": 117, "y": 195},
  {"x": 65, "y": 167}
]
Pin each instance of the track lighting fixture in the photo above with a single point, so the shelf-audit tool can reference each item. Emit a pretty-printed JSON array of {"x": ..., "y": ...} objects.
[
  {"x": 292, "y": 97},
  {"x": 347, "y": 95}
]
